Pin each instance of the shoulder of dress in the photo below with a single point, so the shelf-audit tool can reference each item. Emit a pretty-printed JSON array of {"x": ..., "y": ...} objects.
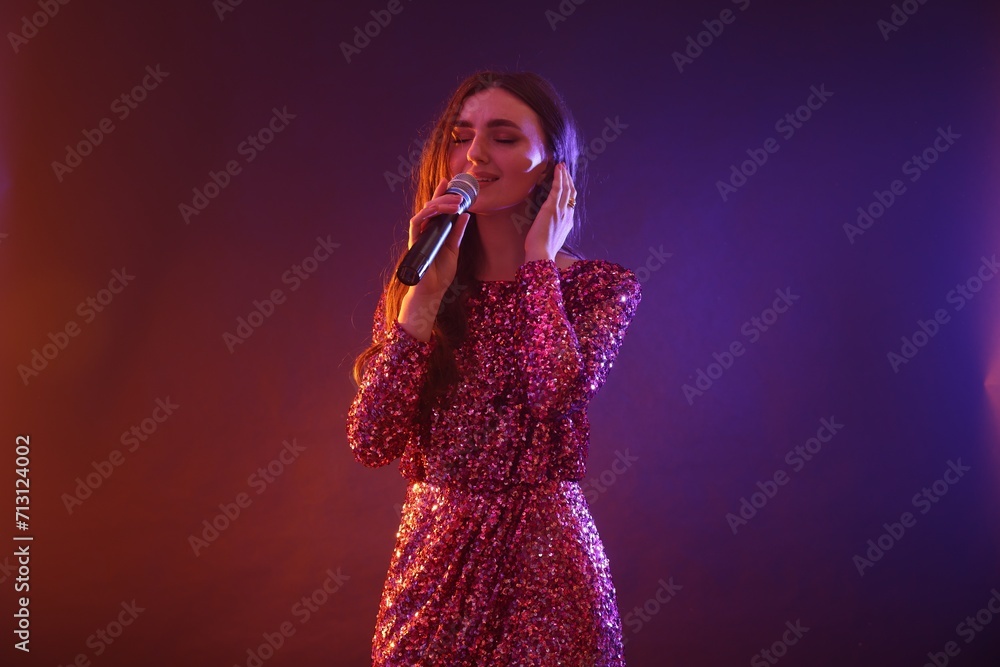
[
  {"x": 592, "y": 272},
  {"x": 590, "y": 280}
]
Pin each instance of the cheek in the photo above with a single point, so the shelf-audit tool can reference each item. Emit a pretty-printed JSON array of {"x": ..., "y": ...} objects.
[{"x": 457, "y": 161}]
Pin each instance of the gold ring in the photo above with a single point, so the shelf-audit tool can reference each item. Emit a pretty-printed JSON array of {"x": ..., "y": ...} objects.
[{"x": 572, "y": 202}]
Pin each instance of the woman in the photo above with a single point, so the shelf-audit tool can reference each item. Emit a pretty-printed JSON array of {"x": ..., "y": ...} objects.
[{"x": 479, "y": 378}]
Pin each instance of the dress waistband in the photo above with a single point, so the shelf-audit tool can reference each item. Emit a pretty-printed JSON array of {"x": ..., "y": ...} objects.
[{"x": 494, "y": 487}]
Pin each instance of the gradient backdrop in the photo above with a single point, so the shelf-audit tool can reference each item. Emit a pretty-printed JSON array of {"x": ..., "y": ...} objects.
[{"x": 823, "y": 490}]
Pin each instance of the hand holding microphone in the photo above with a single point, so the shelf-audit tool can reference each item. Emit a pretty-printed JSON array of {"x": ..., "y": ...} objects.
[{"x": 439, "y": 227}]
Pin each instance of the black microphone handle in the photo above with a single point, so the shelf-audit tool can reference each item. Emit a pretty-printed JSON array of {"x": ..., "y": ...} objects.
[{"x": 425, "y": 249}]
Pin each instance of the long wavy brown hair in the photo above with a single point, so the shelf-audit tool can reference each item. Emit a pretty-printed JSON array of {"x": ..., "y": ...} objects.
[{"x": 564, "y": 145}]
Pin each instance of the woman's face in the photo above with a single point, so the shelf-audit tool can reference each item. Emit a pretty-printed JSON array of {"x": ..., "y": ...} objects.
[{"x": 499, "y": 140}]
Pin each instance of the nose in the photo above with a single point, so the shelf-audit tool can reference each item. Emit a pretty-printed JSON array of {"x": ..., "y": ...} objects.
[{"x": 477, "y": 151}]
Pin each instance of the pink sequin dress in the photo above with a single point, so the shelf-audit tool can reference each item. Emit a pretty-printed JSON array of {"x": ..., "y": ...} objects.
[{"x": 497, "y": 560}]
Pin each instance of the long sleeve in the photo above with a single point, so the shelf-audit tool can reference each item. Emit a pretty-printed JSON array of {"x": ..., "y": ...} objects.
[
  {"x": 568, "y": 347},
  {"x": 383, "y": 416}
]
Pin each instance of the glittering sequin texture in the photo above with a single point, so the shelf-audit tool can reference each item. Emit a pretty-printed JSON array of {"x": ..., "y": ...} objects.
[{"x": 497, "y": 560}]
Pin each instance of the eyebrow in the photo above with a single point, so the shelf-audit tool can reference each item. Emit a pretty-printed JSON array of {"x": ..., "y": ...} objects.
[{"x": 495, "y": 122}]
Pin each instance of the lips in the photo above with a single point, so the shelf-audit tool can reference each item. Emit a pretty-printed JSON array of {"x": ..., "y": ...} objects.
[{"x": 484, "y": 178}]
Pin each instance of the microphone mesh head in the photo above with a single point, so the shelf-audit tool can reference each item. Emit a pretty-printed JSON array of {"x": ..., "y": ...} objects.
[{"x": 466, "y": 186}]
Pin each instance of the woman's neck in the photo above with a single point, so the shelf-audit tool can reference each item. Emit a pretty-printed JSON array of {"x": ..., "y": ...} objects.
[{"x": 502, "y": 234}]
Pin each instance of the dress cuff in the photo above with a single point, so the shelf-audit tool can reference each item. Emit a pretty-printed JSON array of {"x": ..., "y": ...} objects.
[
  {"x": 538, "y": 272},
  {"x": 405, "y": 346}
]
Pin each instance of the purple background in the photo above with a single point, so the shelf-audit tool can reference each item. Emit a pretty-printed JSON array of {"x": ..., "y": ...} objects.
[{"x": 652, "y": 191}]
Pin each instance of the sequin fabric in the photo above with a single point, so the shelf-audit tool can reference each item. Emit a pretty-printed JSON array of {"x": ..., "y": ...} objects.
[{"x": 497, "y": 560}]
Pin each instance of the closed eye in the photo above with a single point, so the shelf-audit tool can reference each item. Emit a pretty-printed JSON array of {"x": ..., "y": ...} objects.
[{"x": 458, "y": 140}]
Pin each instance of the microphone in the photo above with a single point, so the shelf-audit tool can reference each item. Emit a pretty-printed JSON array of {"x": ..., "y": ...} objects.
[{"x": 425, "y": 248}]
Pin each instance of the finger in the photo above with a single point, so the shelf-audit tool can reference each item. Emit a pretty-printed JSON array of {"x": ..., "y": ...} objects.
[
  {"x": 419, "y": 221},
  {"x": 447, "y": 203},
  {"x": 441, "y": 187},
  {"x": 567, "y": 190},
  {"x": 454, "y": 239}
]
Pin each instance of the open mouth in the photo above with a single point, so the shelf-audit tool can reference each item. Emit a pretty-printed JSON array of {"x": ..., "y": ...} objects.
[{"x": 489, "y": 179}]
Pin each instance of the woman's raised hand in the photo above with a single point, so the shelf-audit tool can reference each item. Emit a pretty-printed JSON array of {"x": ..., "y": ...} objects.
[
  {"x": 421, "y": 301},
  {"x": 441, "y": 272},
  {"x": 554, "y": 221}
]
